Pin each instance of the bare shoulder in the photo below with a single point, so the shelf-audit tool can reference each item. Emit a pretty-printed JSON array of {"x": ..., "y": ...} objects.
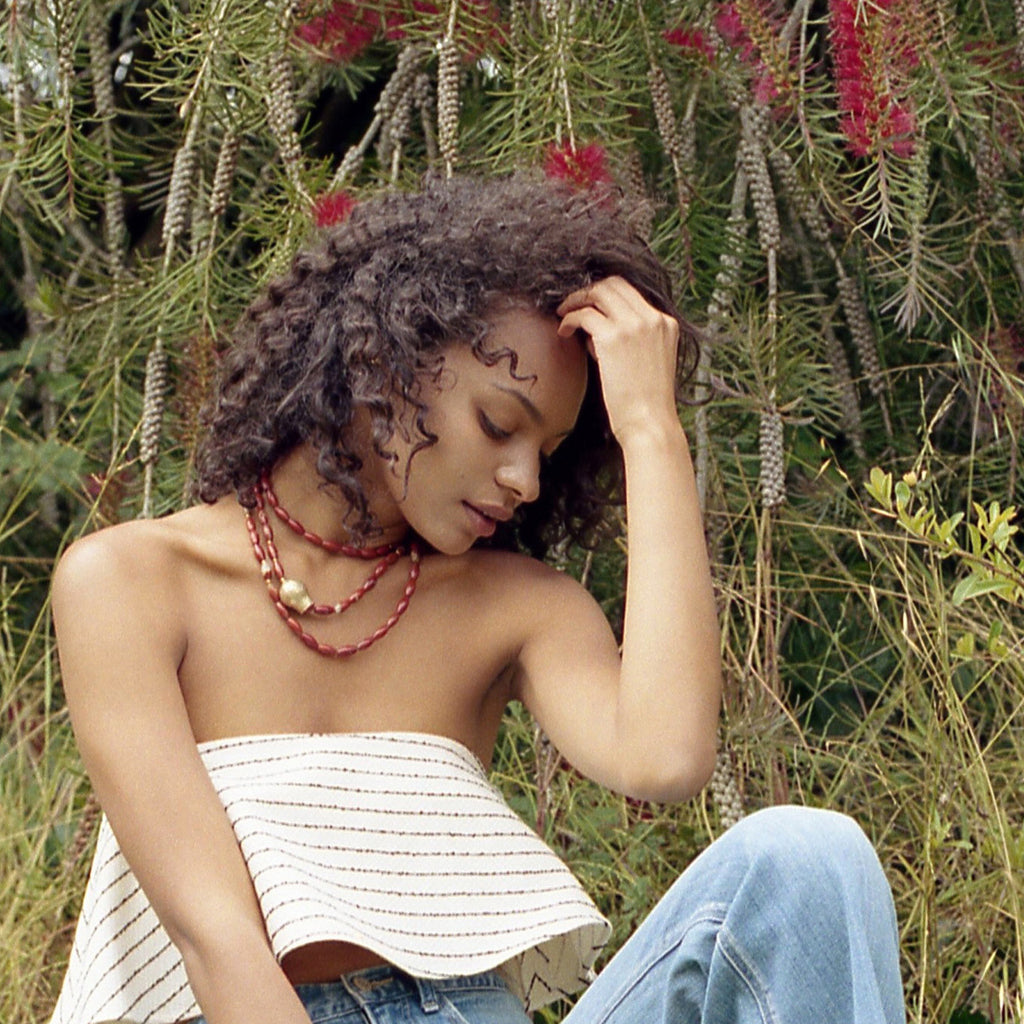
[
  {"x": 512, "y": 572},
  {"x": 128, "y": 572},
  {"x": 134, "y": 554},
  {"x": 533, "y": 594}
]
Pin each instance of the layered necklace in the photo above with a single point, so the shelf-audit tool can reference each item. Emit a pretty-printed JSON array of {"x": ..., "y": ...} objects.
[{"x": 290, "y": 596}]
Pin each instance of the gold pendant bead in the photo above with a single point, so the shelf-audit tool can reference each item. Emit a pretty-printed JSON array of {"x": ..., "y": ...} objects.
[{"x": 293, "y": 594}]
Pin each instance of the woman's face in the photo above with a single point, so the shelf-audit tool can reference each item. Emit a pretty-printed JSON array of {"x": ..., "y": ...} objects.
[{"x": 492, "y": 430}]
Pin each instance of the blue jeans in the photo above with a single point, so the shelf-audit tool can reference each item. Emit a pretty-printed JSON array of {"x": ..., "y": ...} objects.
[
  {"x": 786, "y": 919},
  {"x": 385, "y": 995}
]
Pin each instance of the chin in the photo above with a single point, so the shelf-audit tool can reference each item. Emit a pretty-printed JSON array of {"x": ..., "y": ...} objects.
[
  {"x": 434, "y": 541},
  {"x": 454, "y": 547}
]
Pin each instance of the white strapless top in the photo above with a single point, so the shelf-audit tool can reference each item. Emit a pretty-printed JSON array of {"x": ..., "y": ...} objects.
[{"x": 396, "y": 842}]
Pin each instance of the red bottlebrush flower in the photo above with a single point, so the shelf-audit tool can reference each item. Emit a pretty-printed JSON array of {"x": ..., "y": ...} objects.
[
  {"x": 473, "y": 33},
  {"x": 396, "y": 16},
  {"x": 899, "y": 129},
  {"x": 766, "y": 90},
  {"x": 870, "y": 57},
  {"x": 343, "y": 32},
  {"x": 691, "y": 40},
  {"x": 752, "y": 29},
  {"x": 583, "y": 168},
  {"x": 731, "y": 29},
  {"x": 332, "y": 208}
]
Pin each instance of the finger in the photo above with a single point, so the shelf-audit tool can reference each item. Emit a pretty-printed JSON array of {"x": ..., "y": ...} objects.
[
  {"x": 587, "y": 319},
  {"x": 605, "y": 295}
]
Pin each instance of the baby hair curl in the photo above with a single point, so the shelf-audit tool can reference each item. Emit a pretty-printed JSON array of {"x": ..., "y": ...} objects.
[{"x": 363, "y": 316}]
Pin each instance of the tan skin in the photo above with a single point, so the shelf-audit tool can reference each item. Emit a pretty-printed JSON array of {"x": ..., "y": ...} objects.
[{"x": 167, "y": 636}]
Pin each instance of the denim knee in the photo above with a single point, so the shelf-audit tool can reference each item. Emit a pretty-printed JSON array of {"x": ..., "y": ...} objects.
[
  {"x": 788, "y": 828},
  {"x": 803, "y": 837},
  {"x": 787, "y": 916},
  {"x": 810, "y": 853}
]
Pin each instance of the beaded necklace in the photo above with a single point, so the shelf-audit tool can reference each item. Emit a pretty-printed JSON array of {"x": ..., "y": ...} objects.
[{"x": 290, "y": 595}]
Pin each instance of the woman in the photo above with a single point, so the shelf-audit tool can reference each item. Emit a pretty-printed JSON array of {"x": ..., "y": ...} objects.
[{"x": 279, "y": 693}]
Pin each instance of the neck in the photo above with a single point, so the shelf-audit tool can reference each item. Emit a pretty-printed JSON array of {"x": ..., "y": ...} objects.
[{"x": 322, "y": 509}]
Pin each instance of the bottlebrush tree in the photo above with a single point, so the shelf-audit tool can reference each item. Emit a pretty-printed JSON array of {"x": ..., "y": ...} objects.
[{"x": 837, "y": 187}]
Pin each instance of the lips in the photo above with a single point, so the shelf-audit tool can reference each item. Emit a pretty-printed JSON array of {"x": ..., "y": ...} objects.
[{"x": 485, "y": 518}]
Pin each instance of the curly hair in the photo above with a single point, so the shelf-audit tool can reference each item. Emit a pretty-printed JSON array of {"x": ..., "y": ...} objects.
[{"x": 363, "y": 317}]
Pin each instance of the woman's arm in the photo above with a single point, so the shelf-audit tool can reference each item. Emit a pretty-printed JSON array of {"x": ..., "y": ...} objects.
[
  {"x": 644, "y": 724},
  {"x": 117, "y": 601}
]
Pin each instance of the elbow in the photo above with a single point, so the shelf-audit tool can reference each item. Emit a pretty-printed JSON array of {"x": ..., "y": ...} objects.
[{"x": 667, "y": 776}]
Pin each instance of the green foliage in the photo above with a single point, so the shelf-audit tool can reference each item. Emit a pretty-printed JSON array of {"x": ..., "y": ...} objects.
[{"x": 857, "y": 282}]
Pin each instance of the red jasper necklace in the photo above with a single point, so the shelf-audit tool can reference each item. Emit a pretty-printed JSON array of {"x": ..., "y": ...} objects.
[{"x": 290, "y": 595}]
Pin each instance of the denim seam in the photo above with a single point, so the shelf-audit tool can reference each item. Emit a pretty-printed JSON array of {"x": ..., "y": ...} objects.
[
  {"x": 709, "y": 914},
  {"x": 450, "y": 1011},
  {"x": 748, "y": 973},
  {"x": 346, "y": 1015}
]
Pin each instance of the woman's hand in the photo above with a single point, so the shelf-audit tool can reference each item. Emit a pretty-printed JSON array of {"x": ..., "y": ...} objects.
[{"x": 635, "y": 347}]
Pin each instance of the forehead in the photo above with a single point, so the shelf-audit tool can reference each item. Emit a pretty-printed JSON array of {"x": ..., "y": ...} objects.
[{"x": 548, "y": 367}]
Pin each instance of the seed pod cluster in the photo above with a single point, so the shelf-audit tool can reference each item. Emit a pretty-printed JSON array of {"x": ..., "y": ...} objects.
[
  {"x": 114, "y": 228},
  {"x": 799, "y": 197},
  {"x": 396, "y": 102},
  {"x": 99, "y": 62},
  {"x": 349, "y": 167},
  {"x": 773, "y": 459},
  {"x": 227, "y": 161},
  {"x": 401, "y": 81},
  {"x": 394, "y": 134},
  {"x": 154, "y": 394},
  {"x": 987, "y": 169},
  {"x": 448, "y": 101},
  {"x": 281, "y": 111},
  {"x": 863, "y": 337},
  {"x": 423, "y": 99},
  {"x": 65, "y": 52},
  {"x": 200, "y": 222},
  {"x": 849, "y": 406},
  {"x": 179, "y": 192},
  {"x": 632, "y": 174},
  {"x": 762, "y": 192},
  {"x": 729, "y": 261},
  {"x": 664, "y": 115},
  {"x": 725, "y": 792},
  {"x": 1018, "y": 20}
]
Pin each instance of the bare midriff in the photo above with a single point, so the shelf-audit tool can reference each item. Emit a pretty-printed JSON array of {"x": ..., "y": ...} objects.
[{"x": 326, "y": 961}]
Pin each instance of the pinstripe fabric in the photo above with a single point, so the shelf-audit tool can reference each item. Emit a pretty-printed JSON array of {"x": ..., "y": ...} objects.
[{"x": 394, "y": 841}]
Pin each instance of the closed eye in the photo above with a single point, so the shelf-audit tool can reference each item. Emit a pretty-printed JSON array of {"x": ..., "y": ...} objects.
[{"x": 492, "y": 430}]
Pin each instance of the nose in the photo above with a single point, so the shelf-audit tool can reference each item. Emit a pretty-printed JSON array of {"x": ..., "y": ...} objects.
[{"x": 520, "y": 474}]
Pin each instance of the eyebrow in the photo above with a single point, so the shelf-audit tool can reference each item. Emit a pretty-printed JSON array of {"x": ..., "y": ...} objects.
[{"x": 532, "y": 411}]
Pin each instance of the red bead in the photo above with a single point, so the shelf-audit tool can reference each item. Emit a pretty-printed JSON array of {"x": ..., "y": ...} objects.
[
  {"x": 328, "y": 545},
  {"x": 388, "y": 555}
]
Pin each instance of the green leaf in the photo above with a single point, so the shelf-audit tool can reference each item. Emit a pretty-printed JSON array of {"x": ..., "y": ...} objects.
[
  {"x": 964, "y": 647},
  {"x": 879, "y": 486},
  {"x": 944, "y": 530},
  {"x": 903, "y": 495},
  {"x": 976, "y": 585}
]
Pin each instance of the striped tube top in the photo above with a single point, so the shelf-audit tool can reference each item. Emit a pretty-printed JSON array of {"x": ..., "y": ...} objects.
[{"x": 396, "y": 842}]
